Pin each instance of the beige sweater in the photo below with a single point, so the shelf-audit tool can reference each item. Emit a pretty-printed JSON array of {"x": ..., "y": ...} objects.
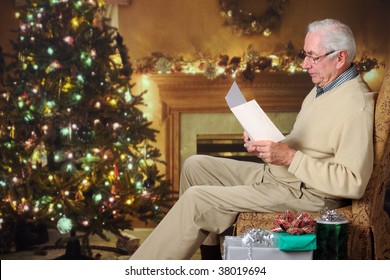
[{"x": 333, "y": 136}]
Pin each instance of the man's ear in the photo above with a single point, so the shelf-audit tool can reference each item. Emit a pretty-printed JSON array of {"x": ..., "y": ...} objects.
[{"x": 342, "y": 59}]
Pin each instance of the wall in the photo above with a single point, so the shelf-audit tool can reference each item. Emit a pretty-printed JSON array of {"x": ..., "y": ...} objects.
[
  {"x": 7, "y": 22},
  {"x": 189, "y": 27}
]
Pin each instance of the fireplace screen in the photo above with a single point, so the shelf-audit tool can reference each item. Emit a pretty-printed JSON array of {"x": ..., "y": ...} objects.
[{"x": 223, "y": 145}]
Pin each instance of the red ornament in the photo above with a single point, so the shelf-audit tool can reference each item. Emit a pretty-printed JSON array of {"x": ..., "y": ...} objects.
[
  {"x": 69, "y": 40},
  {"x": 116, "y": 171}
]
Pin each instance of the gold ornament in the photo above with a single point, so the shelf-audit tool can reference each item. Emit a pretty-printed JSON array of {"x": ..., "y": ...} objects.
[
  {"x": 79, "y": 196},
  {"x": 98, "y": 21}
]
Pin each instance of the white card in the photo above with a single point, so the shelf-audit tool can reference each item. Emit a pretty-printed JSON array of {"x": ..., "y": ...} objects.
[{"x": 251, "y": 117}]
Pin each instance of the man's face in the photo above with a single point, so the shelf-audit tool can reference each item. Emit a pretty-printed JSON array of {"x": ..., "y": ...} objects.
[{"x": 324, "y": 69}]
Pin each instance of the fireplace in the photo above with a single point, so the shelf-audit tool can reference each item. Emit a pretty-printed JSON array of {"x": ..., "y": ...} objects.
[
  {"x": 223, "y": 145},
  {"x": 198, "y": 118}
]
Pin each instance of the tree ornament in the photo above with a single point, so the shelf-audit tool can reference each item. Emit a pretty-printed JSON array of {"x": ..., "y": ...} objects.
[
  {"x": 97, "y": 197},
  {"x": 79, "y": 196},
  {"x": 86, "y": 221},
  {"x": 45, "y": 200},
  {"x": 75, "y": 23},
  {"x": 53, "y": 66},
  {"x": 98, "y": 21},
  {"x": 39, "y": 155},
  {"x": 117, "y": 59},
  {"x": 69, "y": 40},
  {"x": 50, "y": 51},
  {"x": 64, "y": 225},
  {"x": 23, "y": 207},
  {"x": 116, "y": 171}
]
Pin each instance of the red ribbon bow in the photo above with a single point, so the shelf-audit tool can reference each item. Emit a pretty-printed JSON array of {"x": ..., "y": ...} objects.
[{"x": 285, "y": 222}]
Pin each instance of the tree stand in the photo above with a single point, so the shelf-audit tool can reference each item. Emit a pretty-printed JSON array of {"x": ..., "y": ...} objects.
[{"x": 73, "y": 249}]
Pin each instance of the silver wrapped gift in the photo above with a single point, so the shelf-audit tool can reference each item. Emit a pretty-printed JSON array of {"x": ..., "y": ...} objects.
[{"x": 259, "y": 245}]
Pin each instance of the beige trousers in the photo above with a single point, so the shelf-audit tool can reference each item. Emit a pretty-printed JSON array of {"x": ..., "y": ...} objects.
[{"x": 212, "y": 193}]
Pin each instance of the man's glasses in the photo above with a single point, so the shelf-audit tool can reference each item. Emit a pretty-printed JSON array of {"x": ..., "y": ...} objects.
[{"x": 314, "y": 59}]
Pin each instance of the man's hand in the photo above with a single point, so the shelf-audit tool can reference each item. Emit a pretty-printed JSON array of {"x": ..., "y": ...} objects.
[{"x": 269, "y": 151}]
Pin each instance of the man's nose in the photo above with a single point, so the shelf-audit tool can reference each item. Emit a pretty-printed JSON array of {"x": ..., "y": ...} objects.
[{"x": 305, "y": 63}]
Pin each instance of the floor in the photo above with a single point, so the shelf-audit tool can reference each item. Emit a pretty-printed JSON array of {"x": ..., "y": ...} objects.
[{"x": 104, "y": 250}]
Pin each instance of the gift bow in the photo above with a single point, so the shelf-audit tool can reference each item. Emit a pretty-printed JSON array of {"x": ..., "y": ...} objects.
[
  {"x": 285, "y": 222},
  {"x": 331, "y": 216},
  {"x": 258, "y": 236}
]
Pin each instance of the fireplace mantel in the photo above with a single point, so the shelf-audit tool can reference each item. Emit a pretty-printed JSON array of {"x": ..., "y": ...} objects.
[{"x": 183, "y": 93}]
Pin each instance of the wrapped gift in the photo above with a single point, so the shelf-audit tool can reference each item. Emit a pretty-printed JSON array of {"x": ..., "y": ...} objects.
[
  {"x": 288, "y": 242},
  {"x": 258, "y": 244},
  {"x": 294, "y": 233},
  {"x": 332, "y": 234},
  {"x": 234, "y": 249}
]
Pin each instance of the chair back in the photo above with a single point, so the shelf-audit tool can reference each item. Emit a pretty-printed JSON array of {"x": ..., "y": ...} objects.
[{"x": 372, "y": 203}]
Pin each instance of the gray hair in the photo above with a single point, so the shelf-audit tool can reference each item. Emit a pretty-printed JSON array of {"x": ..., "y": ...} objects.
[{"x": 335, "y": 36}]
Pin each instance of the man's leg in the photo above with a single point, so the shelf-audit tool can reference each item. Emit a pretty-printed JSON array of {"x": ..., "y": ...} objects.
[
  {"x": 204, "y": 209},
  {"x": 201, "y": 170},
  {"x": 214, "y": 191}
]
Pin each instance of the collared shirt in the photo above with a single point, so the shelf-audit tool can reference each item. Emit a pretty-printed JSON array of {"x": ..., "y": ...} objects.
[{"x": 348, "y": 74}]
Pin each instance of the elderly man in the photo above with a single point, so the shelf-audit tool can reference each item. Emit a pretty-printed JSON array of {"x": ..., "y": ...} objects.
[{"x": 325, "y": 160}]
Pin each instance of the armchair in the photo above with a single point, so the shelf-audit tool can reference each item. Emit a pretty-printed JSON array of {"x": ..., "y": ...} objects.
[{"x": 369, "y": 224}]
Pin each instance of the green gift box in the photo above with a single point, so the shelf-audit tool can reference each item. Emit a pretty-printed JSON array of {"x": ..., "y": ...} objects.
[
  {"x": 290, "y": 242},
  {"x": 332, "y": 239}
]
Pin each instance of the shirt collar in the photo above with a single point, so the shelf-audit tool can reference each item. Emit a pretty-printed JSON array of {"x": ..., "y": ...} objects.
[{"x": 347, "y": 75}]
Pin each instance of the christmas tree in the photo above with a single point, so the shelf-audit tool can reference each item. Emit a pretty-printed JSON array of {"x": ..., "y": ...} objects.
[{"x": 77, "y": 152}]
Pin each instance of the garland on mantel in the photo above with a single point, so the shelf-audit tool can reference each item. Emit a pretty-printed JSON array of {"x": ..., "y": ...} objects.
[
  {"x": 245, "y": 66},
  {"x": 249, "y": 24},
  {"x": 366, "y": 64}
]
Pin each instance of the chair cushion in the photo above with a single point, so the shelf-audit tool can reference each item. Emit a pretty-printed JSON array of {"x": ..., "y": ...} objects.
[
  {"x": 250, "y": 220},
  {"x": 359, "y": 236}
]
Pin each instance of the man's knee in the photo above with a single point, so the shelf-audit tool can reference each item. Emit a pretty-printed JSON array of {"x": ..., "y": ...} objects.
[
  {"x": 192, "y": 172},
  {"x": 193, "y": 193},
  {"x": 193, "y": 162}
]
